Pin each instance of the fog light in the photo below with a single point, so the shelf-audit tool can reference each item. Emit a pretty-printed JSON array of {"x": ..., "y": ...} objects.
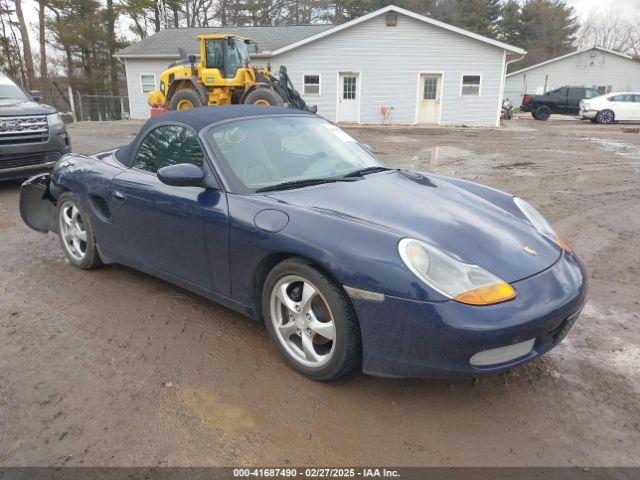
[{"x": 496, "y": 356}]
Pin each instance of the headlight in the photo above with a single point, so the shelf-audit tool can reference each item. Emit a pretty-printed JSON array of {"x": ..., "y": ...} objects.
[
  {"x": 54, "y": 120},
  {"x": 540, "y": 223},
  {"x": 462, "y": 282}
]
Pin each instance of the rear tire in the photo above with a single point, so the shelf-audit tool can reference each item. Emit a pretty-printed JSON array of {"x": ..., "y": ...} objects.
[
  {"x": 265, "y": 97},
  {"x": 542, "y": 113},
  {"x": 606, "y": 117},
  {"x": 302, "y": 309},
  {"x": 76, "y": 233},
  {"x": 593, "y": 120},
  {"x": 185, "y": 100}
]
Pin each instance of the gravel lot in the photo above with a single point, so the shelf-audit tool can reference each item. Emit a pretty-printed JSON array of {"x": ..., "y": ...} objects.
[{"x": 113, "y": 367}]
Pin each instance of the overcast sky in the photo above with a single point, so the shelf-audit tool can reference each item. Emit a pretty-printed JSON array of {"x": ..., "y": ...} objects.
[{"x": 582, "y": 7}]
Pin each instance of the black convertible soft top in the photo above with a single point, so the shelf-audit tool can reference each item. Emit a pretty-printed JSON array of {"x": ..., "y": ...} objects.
[{"x": 199, "y": 118}]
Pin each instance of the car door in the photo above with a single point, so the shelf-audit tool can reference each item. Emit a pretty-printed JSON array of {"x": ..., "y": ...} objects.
[
  {"x": 181, "y": 232},
  {"x": 622, "y": 106}
]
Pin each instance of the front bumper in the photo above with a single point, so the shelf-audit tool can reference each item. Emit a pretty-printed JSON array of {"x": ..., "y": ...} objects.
[
  {"x": 25, "y": 159},
  {"x": 406, "y": 338}
]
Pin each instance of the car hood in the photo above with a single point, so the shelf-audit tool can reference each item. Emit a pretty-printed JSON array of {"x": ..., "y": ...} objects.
[
  {"x": 20, "y": 107},
  {"x": 436, "y": 211}
]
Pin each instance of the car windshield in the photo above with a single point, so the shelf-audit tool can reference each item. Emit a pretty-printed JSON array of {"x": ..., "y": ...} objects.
[
  {"x": 10, "y": 92},
  {"x": 265, "y": 152}
]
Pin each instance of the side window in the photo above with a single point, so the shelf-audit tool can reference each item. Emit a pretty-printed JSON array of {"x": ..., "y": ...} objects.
[
  {"x": 168, "y": 145},
  {"x": 576, "y": 93},
  {"x": 621, "y": 98},
  {"x": 214, "y": 53},
  {"x": 591, "y": 93}
]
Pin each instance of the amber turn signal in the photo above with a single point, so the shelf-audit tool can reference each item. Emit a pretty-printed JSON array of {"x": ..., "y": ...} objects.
[
  {"x": 563, "y": 245},
  {"x": 487, "y": 295}
]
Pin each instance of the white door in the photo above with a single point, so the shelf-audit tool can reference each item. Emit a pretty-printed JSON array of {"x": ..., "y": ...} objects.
[
  {"x": 429, "y": 107},
  {"x": 348, "y": 98}
]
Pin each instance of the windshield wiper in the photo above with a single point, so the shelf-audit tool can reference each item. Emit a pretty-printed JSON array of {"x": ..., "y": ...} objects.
[
  {"x": 303, "y": 183},
  {"x": 364, "y": 171}
]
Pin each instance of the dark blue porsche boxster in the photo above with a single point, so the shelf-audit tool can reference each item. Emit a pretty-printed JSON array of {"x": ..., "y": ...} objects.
[{"x": 282, "y": 216}]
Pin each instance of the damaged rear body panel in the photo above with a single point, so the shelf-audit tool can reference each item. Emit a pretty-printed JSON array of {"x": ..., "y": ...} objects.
[
  {"x": 37, "y": 204},
  {"x": 39, "y": 194}
]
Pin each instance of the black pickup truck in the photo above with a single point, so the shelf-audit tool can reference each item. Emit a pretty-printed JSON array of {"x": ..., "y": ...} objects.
[{"x": 564, "y": 100}]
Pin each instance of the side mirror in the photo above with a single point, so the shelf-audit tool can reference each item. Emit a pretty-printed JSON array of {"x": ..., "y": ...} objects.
[
  {"x": 182, "y": 175},
  {"x": 36, "y": 95}
]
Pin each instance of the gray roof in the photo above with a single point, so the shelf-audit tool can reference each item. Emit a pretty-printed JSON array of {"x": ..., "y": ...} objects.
[{"x": 166, "y": 42}]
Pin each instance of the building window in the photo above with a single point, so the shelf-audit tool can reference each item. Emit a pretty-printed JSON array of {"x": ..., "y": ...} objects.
[
  {"x": 430, "y": 89},
  {"x": 349, "y": 88},
  {"x": 311, "y": 85},
  {"x": 470, "y": 85},
  {"x": 148, "y": 82},
  {"x": 603, "y": 89}
]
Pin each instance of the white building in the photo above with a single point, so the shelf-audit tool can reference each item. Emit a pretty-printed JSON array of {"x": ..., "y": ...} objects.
[
  {"x": 604, "y": 70},
  {"x": 390, "y": 66}
]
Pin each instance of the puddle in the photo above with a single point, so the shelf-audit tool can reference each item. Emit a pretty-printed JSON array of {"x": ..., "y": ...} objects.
[
  {"x": 399, "y": 139},
  {"x": 445, "y": 154},
  {"x": 628, "y": 150},
  {"x": 448, "y": 159},
  {"x": 228, "y": 415}
]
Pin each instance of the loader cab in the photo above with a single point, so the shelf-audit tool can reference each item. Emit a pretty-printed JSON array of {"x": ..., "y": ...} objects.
[{"x": 226, "y": 53}]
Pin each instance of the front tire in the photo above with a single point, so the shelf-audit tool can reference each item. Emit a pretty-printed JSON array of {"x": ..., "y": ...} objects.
[
  {"x": 185, "y": 100},
  {"x": 76, "y": 233},
  {"x": 264, "y": 97},
  {"x": 606, "y": 117},
  {"x": 311, "y": 320}
]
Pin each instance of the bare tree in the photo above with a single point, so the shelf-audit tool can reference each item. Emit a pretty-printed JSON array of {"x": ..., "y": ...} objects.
[
  {"x": 26, "y": 45},
  {"x": 610, "y": 29},
  {"x": 44, "y": 74}
]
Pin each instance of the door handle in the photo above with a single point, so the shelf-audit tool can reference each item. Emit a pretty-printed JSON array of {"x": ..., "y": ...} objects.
[{"x": 118, "y": 195}]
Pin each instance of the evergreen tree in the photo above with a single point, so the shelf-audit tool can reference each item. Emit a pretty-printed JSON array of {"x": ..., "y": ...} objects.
[
  {"x": 548, "y": 30},
  {"x": 510, "y": 24}
]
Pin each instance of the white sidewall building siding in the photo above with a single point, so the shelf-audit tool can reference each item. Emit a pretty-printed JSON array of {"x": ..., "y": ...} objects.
[
  {"x": 135, "y": 68},
  {"x": 590, "y": 68},
  {"x": 388, "y": 61}
]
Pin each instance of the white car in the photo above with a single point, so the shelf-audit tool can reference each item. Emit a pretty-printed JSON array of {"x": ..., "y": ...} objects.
[{"x": 612, "y": 107}]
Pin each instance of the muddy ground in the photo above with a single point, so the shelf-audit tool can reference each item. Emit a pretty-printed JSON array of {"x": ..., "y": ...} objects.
[{"x": 113, "y": 367}]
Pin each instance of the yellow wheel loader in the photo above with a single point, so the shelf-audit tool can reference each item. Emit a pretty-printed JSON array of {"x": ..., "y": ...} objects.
[{"x": 223, "y": 76}]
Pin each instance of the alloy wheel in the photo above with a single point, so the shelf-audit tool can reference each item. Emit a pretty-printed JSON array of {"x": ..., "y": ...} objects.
[
  {"x": 606, "y": 116},
  {"x": 303, "y": 321},
  {"x": 73, "y": 231}
]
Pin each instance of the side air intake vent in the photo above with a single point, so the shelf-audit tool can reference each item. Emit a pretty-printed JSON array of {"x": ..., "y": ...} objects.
[{"x": 101, "y": 207}]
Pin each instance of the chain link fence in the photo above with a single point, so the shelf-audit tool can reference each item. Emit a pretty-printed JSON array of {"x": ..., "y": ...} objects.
[{"x": 77, "y": 107}]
